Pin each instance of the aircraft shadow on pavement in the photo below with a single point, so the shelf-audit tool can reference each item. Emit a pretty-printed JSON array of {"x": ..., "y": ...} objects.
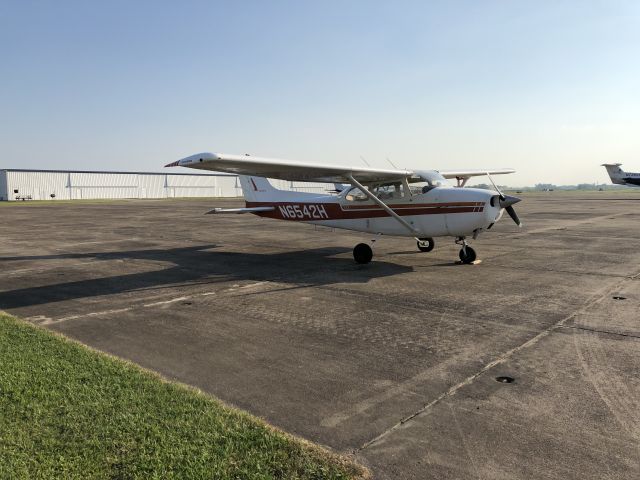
[{"x": 200, "y": 265}]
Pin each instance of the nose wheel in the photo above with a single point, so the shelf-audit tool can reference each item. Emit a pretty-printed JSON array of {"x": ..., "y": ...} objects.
[
  {"x": 467, "y": 254},
  {"x": 362, "y": 253}
]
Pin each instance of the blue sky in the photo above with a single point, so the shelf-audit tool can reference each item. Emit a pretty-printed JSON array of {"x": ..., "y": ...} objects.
[{"x": 551, "y": 88}]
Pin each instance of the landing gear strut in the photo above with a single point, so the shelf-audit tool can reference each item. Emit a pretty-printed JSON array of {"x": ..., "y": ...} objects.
[
  {"x": 425, "y": 244},
  {"x": 467, "y": 254},
  {"x": 362, "y": 253}
]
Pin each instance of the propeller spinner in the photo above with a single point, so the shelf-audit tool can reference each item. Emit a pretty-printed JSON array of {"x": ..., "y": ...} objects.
[{"x": 507, "y": 202}]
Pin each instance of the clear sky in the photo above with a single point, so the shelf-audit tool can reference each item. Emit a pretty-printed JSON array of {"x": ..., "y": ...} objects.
[{"x": 551, "y": 88}]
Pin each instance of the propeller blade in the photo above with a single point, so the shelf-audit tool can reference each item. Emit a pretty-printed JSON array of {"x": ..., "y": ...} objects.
[
  {"x": 508, "y": 200},
  {"x": 514, "y": 216}
]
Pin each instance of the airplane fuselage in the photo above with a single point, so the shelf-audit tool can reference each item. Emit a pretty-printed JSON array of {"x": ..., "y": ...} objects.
[
  {"x": 443, "y": 211},
  {"x": 632, "y": 179}
]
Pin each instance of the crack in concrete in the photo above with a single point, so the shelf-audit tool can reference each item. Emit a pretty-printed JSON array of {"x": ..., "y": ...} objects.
[{"x": 501, "y": 359}]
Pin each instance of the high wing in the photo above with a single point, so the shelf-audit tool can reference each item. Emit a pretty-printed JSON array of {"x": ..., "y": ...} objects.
[
  {"x": 474, "y": 173},
  {"x": 287, "y": 169}
]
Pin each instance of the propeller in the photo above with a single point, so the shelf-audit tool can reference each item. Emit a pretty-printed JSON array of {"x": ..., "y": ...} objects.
[{"x": 507, "y": 202}]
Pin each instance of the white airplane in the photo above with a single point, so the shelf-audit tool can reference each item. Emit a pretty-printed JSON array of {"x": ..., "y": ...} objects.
[
  {"x": 620, "y": 177},
  {"x": 420, "y": 203}
]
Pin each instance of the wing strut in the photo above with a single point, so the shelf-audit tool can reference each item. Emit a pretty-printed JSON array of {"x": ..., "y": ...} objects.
[{"x": 386, "y": 208}]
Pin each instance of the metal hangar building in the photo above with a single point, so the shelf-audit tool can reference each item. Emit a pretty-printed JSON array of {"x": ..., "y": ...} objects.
[{"x": 20, "y": 184}]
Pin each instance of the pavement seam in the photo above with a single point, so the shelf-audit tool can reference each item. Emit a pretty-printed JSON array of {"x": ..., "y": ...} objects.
[
  {"x": 501, "y": 359},
  {"x": 595, "y": 330},
  {"x": 49, "y": 321}
]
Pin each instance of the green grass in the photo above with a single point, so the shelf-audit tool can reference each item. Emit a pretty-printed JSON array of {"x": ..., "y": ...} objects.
[{"x": 67, "y": 411}]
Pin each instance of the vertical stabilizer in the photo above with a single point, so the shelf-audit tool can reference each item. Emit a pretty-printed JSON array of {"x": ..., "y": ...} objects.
[
  {"x": 257, "y": 189},
  {"x": 616, "y": 174}
]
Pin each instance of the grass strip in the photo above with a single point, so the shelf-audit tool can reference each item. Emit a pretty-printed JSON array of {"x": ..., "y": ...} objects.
[{"x": 67, "y": 411}]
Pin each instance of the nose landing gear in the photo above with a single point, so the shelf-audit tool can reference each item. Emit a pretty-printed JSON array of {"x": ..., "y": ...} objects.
[{"x": 467, "y": 254}]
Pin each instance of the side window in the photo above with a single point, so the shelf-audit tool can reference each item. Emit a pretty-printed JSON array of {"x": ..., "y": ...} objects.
[
  {"x": 389, "y": 192},
  {"x": 356, "y": 195}
]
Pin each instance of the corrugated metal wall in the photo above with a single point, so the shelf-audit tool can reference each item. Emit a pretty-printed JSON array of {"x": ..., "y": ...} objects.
[
  {"x": 3, "y": 185},
  {"x": 44, "y": 185},
  {"x": 38, "y": 186}
]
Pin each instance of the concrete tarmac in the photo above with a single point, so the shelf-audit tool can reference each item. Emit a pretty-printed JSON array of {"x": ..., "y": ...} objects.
[{"x": 395, "y": 361}]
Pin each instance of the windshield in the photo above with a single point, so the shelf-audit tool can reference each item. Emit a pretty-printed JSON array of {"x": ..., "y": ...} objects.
[{"x": 427, "y": 180}]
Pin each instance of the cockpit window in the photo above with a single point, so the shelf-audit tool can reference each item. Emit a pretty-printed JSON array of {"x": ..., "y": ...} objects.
[
  {"x": 356, "y": 195},
  {"x": 389, "y": 192},
  {"x": 420, "y": 187}
]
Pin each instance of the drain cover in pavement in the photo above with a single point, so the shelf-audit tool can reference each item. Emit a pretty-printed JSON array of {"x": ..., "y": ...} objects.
[{"x": 505, "y": 379}]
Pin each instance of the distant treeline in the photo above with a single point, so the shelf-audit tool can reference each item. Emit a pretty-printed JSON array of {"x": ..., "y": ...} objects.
[{"x": 548, "y": 187}]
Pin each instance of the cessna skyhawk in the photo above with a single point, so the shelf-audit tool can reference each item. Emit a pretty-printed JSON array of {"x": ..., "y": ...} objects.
[{"x": 412, "y": 203}]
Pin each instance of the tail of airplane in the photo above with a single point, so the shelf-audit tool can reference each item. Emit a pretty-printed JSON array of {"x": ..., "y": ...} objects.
[
  {"x": 616, "y": 174},
  {"x": 258, "y": 189}
]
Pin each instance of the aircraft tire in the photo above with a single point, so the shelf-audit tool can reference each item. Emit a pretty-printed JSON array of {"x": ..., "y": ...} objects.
[
  {"x": 362, "y": 253},
  {"x": 426, "y": 248},
  {"x": 469, "y": 257}
]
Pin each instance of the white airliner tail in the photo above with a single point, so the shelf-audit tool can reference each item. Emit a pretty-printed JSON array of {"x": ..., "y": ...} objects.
[{"x": 616, "y": 174}]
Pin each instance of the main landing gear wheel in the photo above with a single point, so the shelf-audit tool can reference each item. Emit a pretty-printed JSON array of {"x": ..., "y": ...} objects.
[
  {"x": 467, "y": 255},
  {"x": 425, "y": 244},
  {"x": 362, "y": 253}
]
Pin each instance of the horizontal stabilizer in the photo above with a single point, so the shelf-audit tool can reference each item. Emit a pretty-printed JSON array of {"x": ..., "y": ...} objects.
[
  {"x": 475, "y": 173},
  {"x": 240, "y": 210}
]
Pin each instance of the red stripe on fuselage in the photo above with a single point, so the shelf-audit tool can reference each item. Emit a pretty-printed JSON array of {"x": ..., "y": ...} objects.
[
  {"x": 304, "y": 211},
  {"x": 412, "y": 205}
]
